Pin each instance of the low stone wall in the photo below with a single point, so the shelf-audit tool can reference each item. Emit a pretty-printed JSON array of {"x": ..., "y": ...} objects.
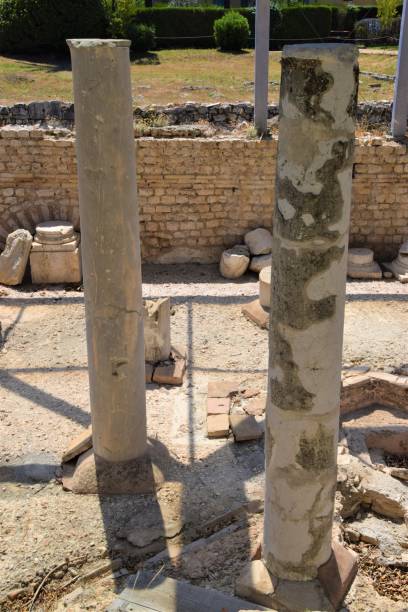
[
  {"x": 62, "y": 113},
  {"x": 197, "y": 196}
]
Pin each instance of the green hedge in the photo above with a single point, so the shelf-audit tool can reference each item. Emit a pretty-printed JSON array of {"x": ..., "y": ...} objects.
[
  {"x": 36, "y": 25},
  {"x": 304, "y": 22},
  {"x": 181, "y": 27}
]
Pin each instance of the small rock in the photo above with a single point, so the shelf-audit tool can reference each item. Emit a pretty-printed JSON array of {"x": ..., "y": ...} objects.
[
  {"x": 259, "y": 241},
  {"x": 255, "y": 313},
  {"x": 351, "y": 534},
  {"x": 234, "y": 262}
]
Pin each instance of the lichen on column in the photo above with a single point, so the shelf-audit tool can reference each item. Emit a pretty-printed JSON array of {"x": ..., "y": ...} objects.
[{"x": 310, "y": 237}]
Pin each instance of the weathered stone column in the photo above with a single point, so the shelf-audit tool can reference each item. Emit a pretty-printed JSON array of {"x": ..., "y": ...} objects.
[
  {"x": 309, "y": 255},
  {"x": 110, "y": 247},
  {"x": 310, "y": 238}
]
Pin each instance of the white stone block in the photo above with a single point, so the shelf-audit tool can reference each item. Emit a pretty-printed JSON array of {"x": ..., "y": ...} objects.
[
  {"x": 234, "y": 262},
  {"x": 156, "y": 318},
  {"x": 265, "y": 287},
  {"x": 50, "y": 267},
  {"x": 13, "y": 260}
]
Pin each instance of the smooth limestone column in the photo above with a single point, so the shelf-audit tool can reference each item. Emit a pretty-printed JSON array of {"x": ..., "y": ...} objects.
[
  {"x": 110, "y": 247},
  {"x": 310, "y": 237},
  {"x": 262, "y": 18}
]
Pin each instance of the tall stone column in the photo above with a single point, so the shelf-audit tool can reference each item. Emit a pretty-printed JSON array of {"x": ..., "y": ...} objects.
[
  {"x": 110, "y": 247},
  {"x": 310, "y": 239}
]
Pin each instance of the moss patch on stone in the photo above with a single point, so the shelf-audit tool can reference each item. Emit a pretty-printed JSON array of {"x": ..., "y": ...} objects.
[{"x": 316, "y": 452}]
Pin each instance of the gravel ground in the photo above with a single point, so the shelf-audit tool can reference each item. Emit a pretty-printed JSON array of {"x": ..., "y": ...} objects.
[{"x": 44, "y": 403}]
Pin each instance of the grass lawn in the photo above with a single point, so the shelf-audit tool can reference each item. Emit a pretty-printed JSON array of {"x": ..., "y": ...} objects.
[{"x": 173, "y": 76}]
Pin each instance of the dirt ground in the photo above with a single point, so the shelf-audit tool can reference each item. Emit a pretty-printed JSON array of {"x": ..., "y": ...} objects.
[{"x": 213, "y": 489}]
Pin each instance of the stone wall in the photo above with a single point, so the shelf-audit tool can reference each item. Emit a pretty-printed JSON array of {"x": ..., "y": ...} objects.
[
  {"x": 197, "y": 196},
  {"x": 62, "y": 113}
]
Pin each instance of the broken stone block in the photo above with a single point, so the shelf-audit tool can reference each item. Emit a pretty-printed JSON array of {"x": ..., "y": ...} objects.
[
  {"x": 245, "y": 427},
  {"x": 170, "y": 373},
  {"x": 224, "y": 388},
  {"x": 260, "y": 262},
  {"x": 259, "y": 241},
  {"x": 265, "y": 287},
  {"x": 156, "y": 318},
  {"x": 217, "y": 425},
  {"x": 337, "y": 575},
  {"x": 361, "y": 264},
  {"x": 234, "y": 262},
  {"x": 256, "y": 584},
  {"x": 78, "y": 445},
  {"x": 13, "y": 260},
  {"x": 399, "y": 267},
  {"x": 255, "y": 313},
  {"x": 56, "y": 254},
  {"x": 218, "y": 405}
]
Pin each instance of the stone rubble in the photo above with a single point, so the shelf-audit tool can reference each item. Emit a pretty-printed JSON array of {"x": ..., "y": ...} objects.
[{"x": 13, "y": 260}]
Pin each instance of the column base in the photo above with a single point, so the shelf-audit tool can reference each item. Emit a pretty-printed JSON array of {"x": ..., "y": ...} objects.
[
  {"x": 93, "y": 475},
  {"x": 324, "y": 594}
]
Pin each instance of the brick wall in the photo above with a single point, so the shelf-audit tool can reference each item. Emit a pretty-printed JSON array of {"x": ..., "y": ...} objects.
[{"x": 196, "y": 196}]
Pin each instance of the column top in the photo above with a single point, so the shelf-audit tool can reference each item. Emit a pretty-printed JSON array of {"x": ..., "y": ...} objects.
[
  {"x": 335, "y": 51},
  {"x": 82, "y": 43}
]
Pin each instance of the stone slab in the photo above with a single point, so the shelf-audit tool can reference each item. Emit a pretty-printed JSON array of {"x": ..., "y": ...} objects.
[
  {"x": 218, "y": 405},
  {"x": 162, "y": 594},
  {"x": 171, "y": 374},
  {"x": 218, "y": 425},
  {"x": 337, "y": 575},
  {"x": 256, "y": 584},
  {"x": 78, "y": 445},
  {"x": 54, "y": 231},
  {"x": 368, "y": 272},
  {"x": 255, "y": 313},
  {"x": 93, "y": 475},
  {"x": 56, "y": 267},
  {"x": 55, "y": 247},
  {"x": 245, "y": 427},
  {"x": 224, "y": 388}
]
